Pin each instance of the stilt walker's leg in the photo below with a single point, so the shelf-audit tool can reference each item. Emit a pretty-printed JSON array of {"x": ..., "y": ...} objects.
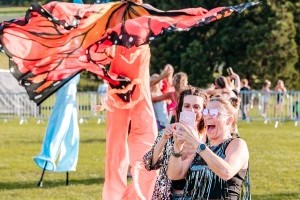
[
  {"x": 40, "y": 183},
  {"x": 67, "y": 178}
]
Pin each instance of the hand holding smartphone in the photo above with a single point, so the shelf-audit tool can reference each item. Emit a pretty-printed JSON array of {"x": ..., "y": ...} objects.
[{"x": 188, "y": 117}]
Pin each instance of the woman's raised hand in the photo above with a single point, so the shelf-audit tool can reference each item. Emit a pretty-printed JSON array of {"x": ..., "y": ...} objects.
[
  {"x": 189, "y": 135},
  {"x": 169, "y": 131}
]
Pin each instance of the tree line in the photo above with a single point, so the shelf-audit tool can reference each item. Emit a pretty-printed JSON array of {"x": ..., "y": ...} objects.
[{"x": 261, "y": 43}]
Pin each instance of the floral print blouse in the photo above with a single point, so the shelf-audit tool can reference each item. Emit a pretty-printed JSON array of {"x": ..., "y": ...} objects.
[{"x": 162, "y": 189}]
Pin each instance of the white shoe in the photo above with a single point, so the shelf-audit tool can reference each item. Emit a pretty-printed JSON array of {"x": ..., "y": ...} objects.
[
  {"x": 276, "y": 124},
  {"x": 81, "y": 120}
]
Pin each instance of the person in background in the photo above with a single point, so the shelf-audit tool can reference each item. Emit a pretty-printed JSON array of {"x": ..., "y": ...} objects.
[
  {"x": 266, "y": 93},
  {"x": 180, "y": 81},
  {"x": 220, "y": 169},
  {"x": 221, "y": 82},
  {"x": 234, "y": 82},
  {"x": 159, "y": 104},
  {"x": 245, "y": 99},
  {"x": 102, "y": 89},
  {"x": 226, "y": 84},
  {"x": 164, "y": 76},
  {"x": 167, "y": 87},
  {"x": 280, "y": 91},
  {"x": 167, "y": 81},
  {"x": 102, "y": 92},
  {"x": 60, "y": 148},
  {"x": 231, "y": 82},
  {"x": 191, "y": 99}
]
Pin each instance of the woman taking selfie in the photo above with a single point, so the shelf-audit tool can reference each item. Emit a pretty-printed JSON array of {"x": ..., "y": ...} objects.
[
  {"x": 191, "y": 102},
  {"x": 218, "y": 170}
]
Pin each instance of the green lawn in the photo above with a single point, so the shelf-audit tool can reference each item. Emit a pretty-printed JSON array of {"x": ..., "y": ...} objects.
[
  {"x": 8, "y": 10},
  {"x": 3, "y": 61},
  {"x": 274, "y": 160}
]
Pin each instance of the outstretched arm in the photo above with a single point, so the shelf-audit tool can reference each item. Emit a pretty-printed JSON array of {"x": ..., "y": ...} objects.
[
  {"x": 236, "y": 153},
  {"x": 162, "y": 97},
  {"x": 165, "y": 73},
  {"x": 159, "y": 146}
]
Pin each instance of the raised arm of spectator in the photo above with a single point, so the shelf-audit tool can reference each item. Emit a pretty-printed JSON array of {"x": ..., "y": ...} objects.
[
  {"x": 237, "y": 81},
  {"x": 162, "y": 97},
  {"x": 165, "y": 73}
]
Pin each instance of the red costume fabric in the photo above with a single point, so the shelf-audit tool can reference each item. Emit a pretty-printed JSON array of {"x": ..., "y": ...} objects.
[{"x": 58, "y": 40}]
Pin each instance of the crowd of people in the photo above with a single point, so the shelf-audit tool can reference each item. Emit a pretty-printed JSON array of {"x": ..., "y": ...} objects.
[
  {"x": 205, "y": 159},
  {"x": 200, "y": 157}
]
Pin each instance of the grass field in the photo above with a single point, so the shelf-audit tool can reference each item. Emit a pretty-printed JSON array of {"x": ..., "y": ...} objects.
[
  {"x": 274, "y": 160},
  {"x": 8, "y": 10},
  {"x": 3, "y": 61}
]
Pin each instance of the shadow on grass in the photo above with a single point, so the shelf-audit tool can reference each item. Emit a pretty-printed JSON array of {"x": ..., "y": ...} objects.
[
  {"x": 93, "y": 141},
  {"x": 88, "y": 141},
  {"x": 277, "y": 196},
  {"x": 49, "y": 184}
]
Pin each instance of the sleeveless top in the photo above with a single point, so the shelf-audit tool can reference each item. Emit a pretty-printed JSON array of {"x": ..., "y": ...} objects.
[{"x": 203, "y": 183}]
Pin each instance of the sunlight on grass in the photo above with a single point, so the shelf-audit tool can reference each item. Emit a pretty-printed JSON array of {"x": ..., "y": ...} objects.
[
  {"x": 19, "y": 174},
  {"x": 3, "y": 61},
  {"x": 274, "y": 162},
  {"x": 11, "y": 10}
]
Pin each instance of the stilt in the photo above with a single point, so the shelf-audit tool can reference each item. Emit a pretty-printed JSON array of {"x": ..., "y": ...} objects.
[
  {"x": 67, "y": 178},
  {"x": 40, "y": 183}
]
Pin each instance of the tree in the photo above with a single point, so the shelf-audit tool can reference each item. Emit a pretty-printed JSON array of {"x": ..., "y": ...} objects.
[{"x": 260, "y": 42}]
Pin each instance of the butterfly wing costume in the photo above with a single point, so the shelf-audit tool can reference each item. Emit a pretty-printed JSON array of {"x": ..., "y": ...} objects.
[{"x": 58, "y": 40}]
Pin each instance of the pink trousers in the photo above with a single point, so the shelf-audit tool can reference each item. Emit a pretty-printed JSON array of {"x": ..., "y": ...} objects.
[{"x": 123, "y": 148}]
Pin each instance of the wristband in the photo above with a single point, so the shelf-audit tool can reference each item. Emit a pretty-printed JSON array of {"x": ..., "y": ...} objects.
[{"x": 176, "y": 155}]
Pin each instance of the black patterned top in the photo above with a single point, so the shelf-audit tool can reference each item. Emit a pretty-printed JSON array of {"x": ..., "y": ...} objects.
[
  {"x": 203, "y": 183},
  {"x": 162, "y": 189}
]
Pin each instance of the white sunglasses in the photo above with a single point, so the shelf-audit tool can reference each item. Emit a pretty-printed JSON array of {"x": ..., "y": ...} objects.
[{"x": 214, "y": 112}]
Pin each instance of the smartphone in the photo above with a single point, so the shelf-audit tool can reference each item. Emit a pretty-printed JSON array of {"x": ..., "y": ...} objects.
[
  {"x": 188, "y": 117},
  {"x": 229, "y": 71}
]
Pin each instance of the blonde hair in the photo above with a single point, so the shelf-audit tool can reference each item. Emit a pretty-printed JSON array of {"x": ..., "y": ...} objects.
[
  {"x": 231, "y": 105},
  {"x": 266, "y": 83},
  {"x": 180, "y": 80}
]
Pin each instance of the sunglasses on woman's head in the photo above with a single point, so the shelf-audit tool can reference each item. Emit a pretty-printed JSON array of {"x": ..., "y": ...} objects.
[{"x": 214, "y": 112}]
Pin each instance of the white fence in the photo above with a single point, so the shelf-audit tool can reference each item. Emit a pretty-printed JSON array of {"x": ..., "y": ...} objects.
[
  {"x": 12, "y": 106},
  {"x": 272, "y": 107}
]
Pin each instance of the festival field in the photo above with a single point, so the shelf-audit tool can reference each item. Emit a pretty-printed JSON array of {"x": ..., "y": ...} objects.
[{"x": 274, "y": 161}]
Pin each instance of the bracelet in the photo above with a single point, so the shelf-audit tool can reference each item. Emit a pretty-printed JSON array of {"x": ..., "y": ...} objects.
[{"x": 176, "y": 155}]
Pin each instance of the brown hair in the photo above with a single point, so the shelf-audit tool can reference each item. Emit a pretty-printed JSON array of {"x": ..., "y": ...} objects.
[
  {"x": 190, "y": 90},
  {"x": 179, "y": 80},
  {"x": 244, "y": 81},
  {"x": 221, "y": 82}
]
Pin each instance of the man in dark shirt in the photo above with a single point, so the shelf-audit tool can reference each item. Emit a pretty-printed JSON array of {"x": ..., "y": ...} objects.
[{"x": 245, "y": 99}]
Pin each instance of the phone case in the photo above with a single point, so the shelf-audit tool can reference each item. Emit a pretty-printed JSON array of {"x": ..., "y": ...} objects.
[{"x": 188, "y": 117}]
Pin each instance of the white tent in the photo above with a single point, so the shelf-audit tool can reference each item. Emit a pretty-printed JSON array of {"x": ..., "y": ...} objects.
[{"x": 13, "y": 97}]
